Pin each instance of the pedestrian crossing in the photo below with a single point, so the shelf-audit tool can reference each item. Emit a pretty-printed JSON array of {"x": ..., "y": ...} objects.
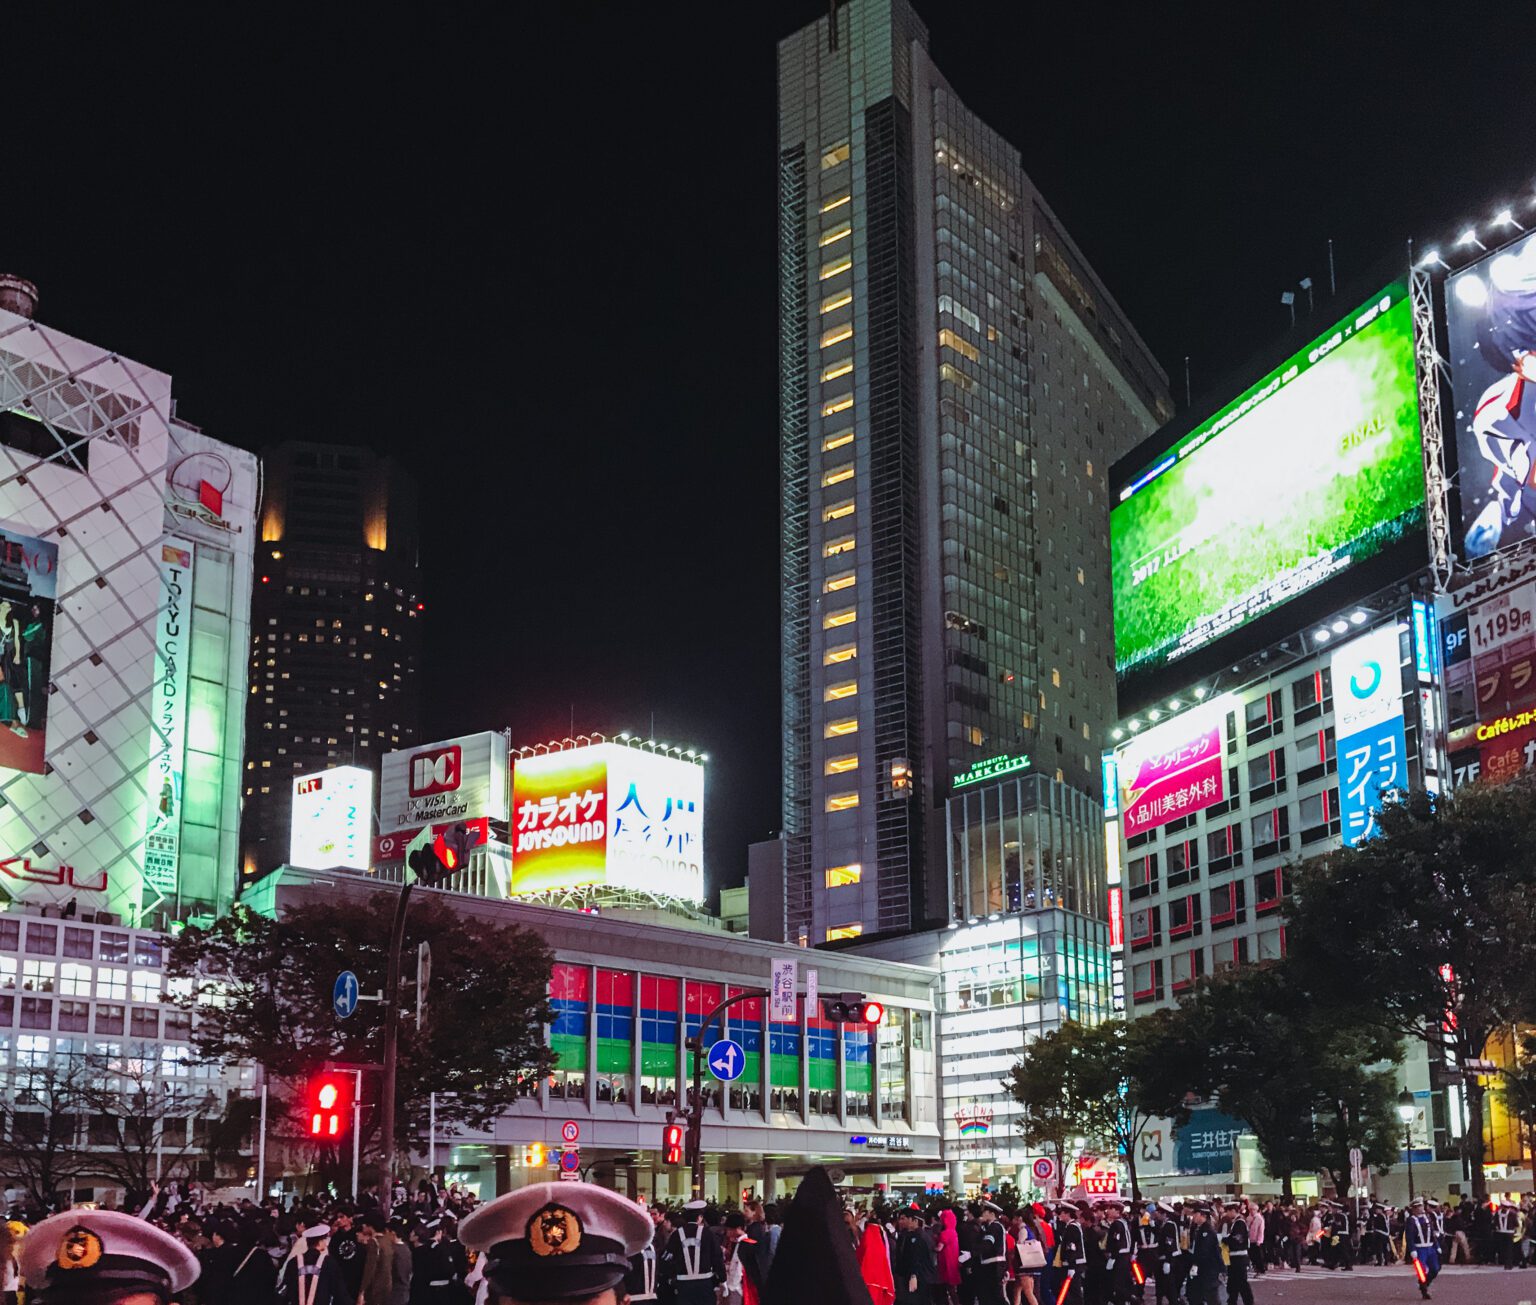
[{"x": 1403, "y": 1271}]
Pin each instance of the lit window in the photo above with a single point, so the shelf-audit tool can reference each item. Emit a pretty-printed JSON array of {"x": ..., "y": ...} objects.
[
  {"x": 837, "y": 335},
  {"x": 840, "y": 404},
  {"x": 847, "y": 725},
  {"x": 837, "y": 475},
  {"x": 966, "y": 349},
  {"x": 842, "y": 616},
  {"x": 837, "y": 440},
  {"x": 1055, "y": 678},
  {"x": 835, "y": 155},
  {"x": 842, "y": 689},
  {"x": 973, "y": 733},
  {"x": 836, "y": 202},
  {"x": 843, "y": 652},
  {"x": 841, "y": 232},
  {"x": 839, "y": 875},
  {"x": 840, "y": 368},
  {"x": 843, "y": 764},
  {"x": 842, "y": 801},
  {"x": 840, "y": 300},
  {"x": 835, "y": 547},
  {"x": 837, "y": 511},
  {"x": 844, "y": 931},
  {"x": 1080, "y": 579},
  {"x": 955, "y": 376},
  {"x": 829, "y": 270},
  {"x": 842, "y": 580}
]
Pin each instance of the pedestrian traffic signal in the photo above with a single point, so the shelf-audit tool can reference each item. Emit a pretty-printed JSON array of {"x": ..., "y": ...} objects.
[
  {"x": 672, "y": 1144},
  {"x": 851, "y": 1008},
  {"x": 330, "y": 1102}
]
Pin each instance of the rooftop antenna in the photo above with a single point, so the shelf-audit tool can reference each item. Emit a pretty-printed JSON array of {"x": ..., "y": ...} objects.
[
  {"x": 1306, "y": 284},
  {"x": 1332, "y": 288},
  {"x": 831, "y": 24},
  {"x": 1288, "y": 298},
  {"x": 1188, "y": 399}
]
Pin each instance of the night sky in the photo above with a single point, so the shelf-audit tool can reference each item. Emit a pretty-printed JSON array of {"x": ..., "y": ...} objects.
[{"x": 534, "y": 258}]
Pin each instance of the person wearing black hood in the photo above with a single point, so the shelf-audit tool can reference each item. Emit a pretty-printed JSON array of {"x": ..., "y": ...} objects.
[{"x": 815, "y": 1264}]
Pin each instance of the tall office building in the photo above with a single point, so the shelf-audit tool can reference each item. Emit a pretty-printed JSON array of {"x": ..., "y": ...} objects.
[
  {"x": 335, "y": 628},
  {"x": 954, "y": 383}
]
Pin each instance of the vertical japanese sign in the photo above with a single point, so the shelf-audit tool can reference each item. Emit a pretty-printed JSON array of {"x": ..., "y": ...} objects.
[
  {"x": 1175, "y": 769},
  {"x": 782, "y": 990},
  {"x": 1368, "y": 720},
  {"x": 168, "y": 718}
]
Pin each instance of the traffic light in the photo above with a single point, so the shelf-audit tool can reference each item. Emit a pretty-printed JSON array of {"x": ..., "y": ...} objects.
[
  {"x": 672, "y": 1144},
  {"x": 431, "y": 858},
  {"x": 330, "y": 1102},
  {"x": 851, "y": 1008},
  {"x": 535, "y": 1156}
]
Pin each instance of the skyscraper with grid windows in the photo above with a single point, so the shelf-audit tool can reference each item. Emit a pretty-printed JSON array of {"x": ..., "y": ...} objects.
[{"x": 954, "y": 383}]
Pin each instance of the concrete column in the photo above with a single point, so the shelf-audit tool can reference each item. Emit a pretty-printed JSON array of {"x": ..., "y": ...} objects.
[
  {"x": 770, "y": 1179},
  {"x": 957, "y": 1176}
]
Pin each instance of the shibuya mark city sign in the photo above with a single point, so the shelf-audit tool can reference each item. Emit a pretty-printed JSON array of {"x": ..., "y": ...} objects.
[{"x": 993, "y": 768}]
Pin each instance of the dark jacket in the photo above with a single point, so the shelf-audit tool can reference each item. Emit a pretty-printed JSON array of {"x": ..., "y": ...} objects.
[
  {"x": 912, "y": 1257},
  {"x": 1205, "y": 1251}
]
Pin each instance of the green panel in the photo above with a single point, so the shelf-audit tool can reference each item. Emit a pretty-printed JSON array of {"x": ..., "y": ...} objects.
[
  {"x": 571, "y": 1053},
  {"x": 824, "y": 1074},
  {"x": 858, "y": 1078},
  {"x": 785, "y": 1071},
  {"x": 658, "y": 1058},
  {"x": 752, "y": 1074},
  {"x": 615, "y": 1056}
]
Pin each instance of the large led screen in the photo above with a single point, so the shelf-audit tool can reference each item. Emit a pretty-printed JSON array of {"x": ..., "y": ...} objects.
[
  {"x": 29, "y": 575},
  {"x": 1313, "y": 470},
  {"x": 1490, "y": 310}
]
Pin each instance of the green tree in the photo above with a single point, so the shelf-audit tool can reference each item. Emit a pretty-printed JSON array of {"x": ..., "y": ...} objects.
[
  {"x": 1085, "y": 1079},
  {"x": 1430, "y": 920},
  {"x": 42, "y": 1108},
  {"x": 261, "y": 989},
  {"x": 1253, "y": 1041}
]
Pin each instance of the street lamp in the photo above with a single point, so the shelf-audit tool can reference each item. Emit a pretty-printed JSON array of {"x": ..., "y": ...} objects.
[{"x": 1406, "y": 1109}]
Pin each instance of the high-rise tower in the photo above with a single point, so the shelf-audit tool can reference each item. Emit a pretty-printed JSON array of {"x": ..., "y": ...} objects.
[{"x": 954, "y": 383}]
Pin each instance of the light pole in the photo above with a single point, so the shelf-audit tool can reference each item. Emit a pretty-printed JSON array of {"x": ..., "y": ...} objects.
[{"x": 1407, "y": 1108}]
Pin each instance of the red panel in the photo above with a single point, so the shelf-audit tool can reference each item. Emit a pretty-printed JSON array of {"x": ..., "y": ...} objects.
[
  {"x": 615, "y": 988},
  {"x": 658, "y": 994},
  {"x": 702, "y": 998},
  {"x": 569, "y": 982},
  {"x": 749, "y": 1011}
]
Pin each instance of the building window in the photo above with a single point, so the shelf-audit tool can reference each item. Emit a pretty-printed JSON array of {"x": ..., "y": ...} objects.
[
  {"x": 37, "y": 1012},
  {"x": 835, "y": 301},
  {"x": 837, "y": 511},
  {"x": 840, "y": 232},
  {"x": 841, "y": 616},
  {"x": 956, "y": 377},
  {"x": 835, "y": 268},
  {"x": 112, "y": 984},
  {"x": 847, "y": 725},
  {"x": 839, "y": 876},
  {"x": 837, "y": 440},
  {"x": 1141, "y": 874},
  {"x": 37, "y": 976},
  {"x": 835, "y": 547},
  {"x": 833, "y": 583},
  {"x": 837, "y": 335},
  {"x": 114, "y": 948},
  {"x": 844, "y": 931},
  {"x": 74, "y": 980},
  {"x": 144, "y": 1023},
  {"x": 840, "y": 404},
  {"x": 835, "y": 154},
  {"x": 836, "y": 475},
  {"x": 843, "y": 652},
  {"x": 109, "y": 1018},
  {"x": 42, "y": 939},
  {"x": 974, "y": 735},
  {"x": 949, "y": 340},
  {"x": 842, "y": 689},
  {"x": 841, "y": 765},
  {"x": 836, "y": 202},
  {"x": 842, "y": 801}
]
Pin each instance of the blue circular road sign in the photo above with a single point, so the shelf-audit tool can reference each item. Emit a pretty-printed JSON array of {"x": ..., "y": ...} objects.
[
  {"x": 344, "y": 994},
  {"x": 726, "y": 1060},
  {"x": 570, "y": 1161}
]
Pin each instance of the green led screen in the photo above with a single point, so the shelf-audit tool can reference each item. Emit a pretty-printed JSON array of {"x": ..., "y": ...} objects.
[{"x": 1314, "y": 469}]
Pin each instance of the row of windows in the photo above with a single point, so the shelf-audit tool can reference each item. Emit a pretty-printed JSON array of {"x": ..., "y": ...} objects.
[
  {"x": 1156, "y": 978},
  {"x": 43, "y": 940}
]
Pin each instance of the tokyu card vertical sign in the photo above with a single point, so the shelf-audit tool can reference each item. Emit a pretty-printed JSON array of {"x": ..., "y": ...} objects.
[
  {"x": 168, "y": 716},
  {"x": 1174, "y": 769},
  {"x": 1368, "y": 722}
]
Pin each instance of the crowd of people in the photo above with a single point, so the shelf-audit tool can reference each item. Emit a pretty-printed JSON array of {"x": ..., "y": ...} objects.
[{"x": 581, "y": 1242}]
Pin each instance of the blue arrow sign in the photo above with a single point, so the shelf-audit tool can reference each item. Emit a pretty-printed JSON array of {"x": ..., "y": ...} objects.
[
  {"x": 344, "y": 994},
  {"x": 727, "y": 1060}
]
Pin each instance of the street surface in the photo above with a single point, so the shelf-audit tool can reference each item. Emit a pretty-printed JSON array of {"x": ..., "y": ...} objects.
[{"x": 1457, "y": 1286}]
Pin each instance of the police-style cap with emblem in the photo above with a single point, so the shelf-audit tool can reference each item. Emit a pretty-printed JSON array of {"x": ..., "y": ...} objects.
[
  {"x": 87, "y": 1255},
  {"x": 557, "y": 1241}
]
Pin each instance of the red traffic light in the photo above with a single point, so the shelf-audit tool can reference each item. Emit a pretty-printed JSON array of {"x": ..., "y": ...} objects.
[
  {"x": 672, "y": 1144},
  {"x": 872, "y": 1012},
  {"x": 330, "y": 1101},
  {"x": 447, "y": 855}
]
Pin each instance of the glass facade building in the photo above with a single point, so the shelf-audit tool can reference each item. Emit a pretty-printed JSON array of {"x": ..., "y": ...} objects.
[{"x": 954, "y": 383}]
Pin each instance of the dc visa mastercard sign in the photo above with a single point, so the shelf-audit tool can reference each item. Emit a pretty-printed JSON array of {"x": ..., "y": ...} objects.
[{"x": 440, "y": 783}]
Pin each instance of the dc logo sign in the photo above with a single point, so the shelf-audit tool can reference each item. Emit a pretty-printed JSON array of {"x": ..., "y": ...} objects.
[
  {"x": 1370, "y": 672},
  {"x": 437, "y": 771}
]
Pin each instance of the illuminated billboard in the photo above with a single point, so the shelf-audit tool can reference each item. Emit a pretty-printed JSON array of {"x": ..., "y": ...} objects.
[
  {"x": 1490, "y": 312},
  {"x": 439, "y": 783},
  {"x": 1311, "y": 471},
  {"x": 332, "y": 819},
  {"x": 29, "y": 574},
  {"x": 1174, "y": 769},
  {"x": 608, "y": 815},
  {"x": 1368, "y": 722}
]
